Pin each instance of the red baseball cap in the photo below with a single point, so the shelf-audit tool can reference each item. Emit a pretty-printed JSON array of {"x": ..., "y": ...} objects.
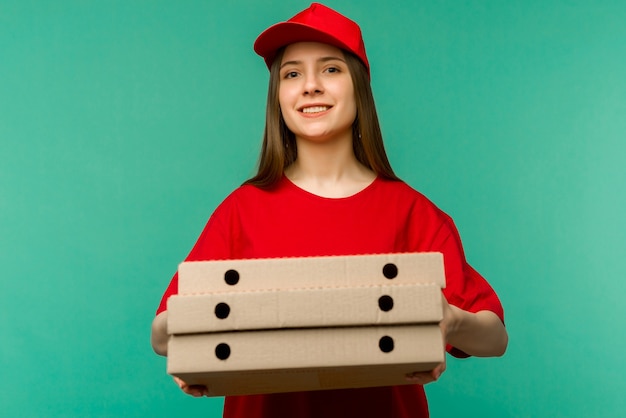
[{"x": 318, "y": 23}]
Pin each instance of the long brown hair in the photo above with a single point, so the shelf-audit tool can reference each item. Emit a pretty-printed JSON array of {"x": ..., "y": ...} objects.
[{"x": 279, "y": 149}]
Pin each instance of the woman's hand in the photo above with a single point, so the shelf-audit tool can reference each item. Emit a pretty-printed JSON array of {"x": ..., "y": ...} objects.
[
  {"x": 480, "y": 334},
  {"x": 196, "y": 391},
  {"x": 423, "y": 378},
  {"x": 448, "y": 321},
  {"x": 159, "y": 336}
]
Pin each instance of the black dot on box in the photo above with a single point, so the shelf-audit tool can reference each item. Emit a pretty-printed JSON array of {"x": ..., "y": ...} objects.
[
  {"x": 222, "y": 310},
  {"x": 231, "y": 277},
  {"x": 385, "y": 303},
  {"x": 390, "y": 271},
  {"x": 222, "y": 351},
  {"x": 386, "y": 344}
]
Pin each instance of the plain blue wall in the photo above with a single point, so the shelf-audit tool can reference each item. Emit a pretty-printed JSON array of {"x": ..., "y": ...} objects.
[{"x": 124, "y": 123}]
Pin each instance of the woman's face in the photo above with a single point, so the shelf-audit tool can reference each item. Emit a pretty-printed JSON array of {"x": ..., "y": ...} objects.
[{"x": 316, "y": 93}]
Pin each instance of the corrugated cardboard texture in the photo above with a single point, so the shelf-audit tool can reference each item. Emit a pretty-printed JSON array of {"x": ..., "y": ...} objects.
[
  {"x": 310, "y": 307},
  {"x": 306, "y": 359},
  {"x": 293, "y": 273}
]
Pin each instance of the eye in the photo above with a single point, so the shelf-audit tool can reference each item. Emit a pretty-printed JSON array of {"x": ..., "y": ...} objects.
[
  {"x": 333, "y": 70},
  {"x": 290, "y": 74}
]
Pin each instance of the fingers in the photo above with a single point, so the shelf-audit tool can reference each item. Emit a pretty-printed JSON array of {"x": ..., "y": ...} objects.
[
  {"x": 423, "y": 378},
  {"x": 193, "y": 390},
  {"x": 420, "y": 378}
]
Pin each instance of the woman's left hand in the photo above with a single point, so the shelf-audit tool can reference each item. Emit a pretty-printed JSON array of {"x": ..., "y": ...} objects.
[{"x": 423, "y": 378}]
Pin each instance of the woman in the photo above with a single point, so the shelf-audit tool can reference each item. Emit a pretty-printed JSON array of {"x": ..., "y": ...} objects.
[{"x": 325, "y": 187}]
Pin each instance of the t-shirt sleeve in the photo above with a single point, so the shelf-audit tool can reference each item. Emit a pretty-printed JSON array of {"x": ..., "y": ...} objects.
[
  {"x": 212, "y": 244},
  {"x": 465, "y": 287}
]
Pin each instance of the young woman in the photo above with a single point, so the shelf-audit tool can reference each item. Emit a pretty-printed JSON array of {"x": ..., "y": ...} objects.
[{"x": 325, "y": 187}]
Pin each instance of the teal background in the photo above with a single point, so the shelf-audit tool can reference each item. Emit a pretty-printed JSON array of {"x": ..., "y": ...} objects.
[{"x": 124, "y": 123}]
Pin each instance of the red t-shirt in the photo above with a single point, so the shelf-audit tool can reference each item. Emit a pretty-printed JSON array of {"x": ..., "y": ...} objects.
[{"x": 385, "y": 217}]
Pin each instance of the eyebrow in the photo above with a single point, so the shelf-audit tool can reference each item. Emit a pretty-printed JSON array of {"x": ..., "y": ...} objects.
[{"x": 322, "y": 59}]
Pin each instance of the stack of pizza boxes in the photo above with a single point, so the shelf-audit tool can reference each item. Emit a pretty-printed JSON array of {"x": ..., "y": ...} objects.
[{"x": 294, "y": 324}]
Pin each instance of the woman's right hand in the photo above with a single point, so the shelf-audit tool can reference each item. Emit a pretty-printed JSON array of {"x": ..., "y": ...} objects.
[{"x": 196, "y": 391}]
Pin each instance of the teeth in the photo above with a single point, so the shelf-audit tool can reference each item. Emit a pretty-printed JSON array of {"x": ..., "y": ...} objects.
[{"x": 314, "y": 109}]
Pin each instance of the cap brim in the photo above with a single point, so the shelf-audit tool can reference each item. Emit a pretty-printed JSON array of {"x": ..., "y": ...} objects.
[{"x": 285, "y": 33}]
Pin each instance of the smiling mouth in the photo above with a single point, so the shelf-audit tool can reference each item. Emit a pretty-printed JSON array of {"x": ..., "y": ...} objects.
[{"x": 314, "y": 109}]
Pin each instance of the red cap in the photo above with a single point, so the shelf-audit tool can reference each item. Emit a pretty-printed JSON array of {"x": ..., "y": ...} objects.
[{"x": 318, "y": 23}]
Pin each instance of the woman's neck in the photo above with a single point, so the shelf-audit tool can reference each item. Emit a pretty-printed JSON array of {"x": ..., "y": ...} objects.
[{"x": 328, "y": 169}]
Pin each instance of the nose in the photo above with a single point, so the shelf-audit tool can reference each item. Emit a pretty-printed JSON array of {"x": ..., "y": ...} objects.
[{"x": 312, "y": 85}]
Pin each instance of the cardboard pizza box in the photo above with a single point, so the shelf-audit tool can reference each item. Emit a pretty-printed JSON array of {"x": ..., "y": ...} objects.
[
  {"x": 300, "y": 272},
  {"x": 287, "y": 356},
  {"x": 273, "y": 361},
  {"x": 305, "y": 308}
]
